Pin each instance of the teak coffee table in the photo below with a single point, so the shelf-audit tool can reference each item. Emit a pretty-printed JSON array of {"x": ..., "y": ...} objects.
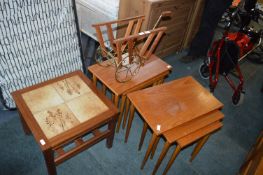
[
  {"x": 62, "y": 111},
  {"x": 153, "y": 72}
]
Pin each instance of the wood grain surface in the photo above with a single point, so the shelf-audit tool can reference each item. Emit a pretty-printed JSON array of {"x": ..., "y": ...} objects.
[{"x": 173, "y": 103}]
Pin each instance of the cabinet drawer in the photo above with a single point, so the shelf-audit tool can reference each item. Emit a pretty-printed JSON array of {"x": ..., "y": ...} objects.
[
  {"x": 178, "y": 32},
  {"x": 171, "y": 36},
  {"x": 175, "y": 34},
  {"x": 181, "y": 10},
  {"x": 167, "y": 3}
]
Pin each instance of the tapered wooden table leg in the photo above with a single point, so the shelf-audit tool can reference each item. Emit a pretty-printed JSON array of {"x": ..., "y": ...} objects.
[
  {"x": 123, "y": 99},
  {"x": 198, "y": 147},
  {"x": 174, "y": 155},
  {"x": 111, "y": 127},
  {"x": 162, "y": 155},
  {"x": 112, "y": 97},
  {"x": 49, "y": 158},
  {"x": 103, "y": 89},
  {"x": 154, "y": 147},
  {"x": 116, "y": 100},
  {"x": 127, "y": 106},
  {"x": 147, "y": 154},
  {"x": 25, "y": 127},
  {"x": 131, "y": 116},
  {"x": 94, "y": 80},
  {"x": 144, "y": 130}
]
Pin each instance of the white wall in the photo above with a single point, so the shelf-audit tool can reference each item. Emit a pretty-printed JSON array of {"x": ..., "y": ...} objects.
[{"x": 95, "y": 11}]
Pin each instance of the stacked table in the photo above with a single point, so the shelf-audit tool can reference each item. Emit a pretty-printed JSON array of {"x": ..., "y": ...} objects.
[
  {"x": 180, "y": 105},
  {"x": 152, "y": 73}
]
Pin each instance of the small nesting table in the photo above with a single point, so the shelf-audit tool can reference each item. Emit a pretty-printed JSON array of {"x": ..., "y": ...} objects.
[
  {"x": 152, "y": 73},
  {"x": 63, "y": 111},
  {"x": 168, "y": 107},
  {"x": 197, "y": 131}
]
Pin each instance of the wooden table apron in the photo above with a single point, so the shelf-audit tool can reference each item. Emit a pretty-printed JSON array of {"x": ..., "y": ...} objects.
[{"x": 30, "y": 123}]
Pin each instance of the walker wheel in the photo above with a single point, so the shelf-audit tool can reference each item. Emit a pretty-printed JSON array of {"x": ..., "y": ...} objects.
[
  {"x": 238, "y": 98},
  {"x": 125, "y": 72},
  {"x": 204, "y": 71}
]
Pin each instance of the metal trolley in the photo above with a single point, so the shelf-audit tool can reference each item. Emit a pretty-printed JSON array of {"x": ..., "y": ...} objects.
[{"x": 127, "y": 54}]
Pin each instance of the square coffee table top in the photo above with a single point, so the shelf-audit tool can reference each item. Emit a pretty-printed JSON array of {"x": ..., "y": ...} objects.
[
  {"x": 61, "y": 104},
  {"x": 174, "y": 103}
]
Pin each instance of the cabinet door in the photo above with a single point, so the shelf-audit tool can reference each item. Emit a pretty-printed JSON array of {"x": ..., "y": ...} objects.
[{"x": 176, "y": 25}]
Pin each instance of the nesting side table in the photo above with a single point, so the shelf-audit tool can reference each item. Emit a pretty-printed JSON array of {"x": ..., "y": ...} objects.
[
  {"x": 152, "y": 73},
  {"x": 167, "y": 108}
]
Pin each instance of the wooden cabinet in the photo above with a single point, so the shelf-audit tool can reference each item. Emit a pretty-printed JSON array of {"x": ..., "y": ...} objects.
[{"x": 182, "y": 25}]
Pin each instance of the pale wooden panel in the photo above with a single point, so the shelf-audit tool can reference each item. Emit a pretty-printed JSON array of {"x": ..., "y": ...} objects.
[
  {"x": 55, "y": 120},
  {"x": 87, "y": 106},
  {"x": 42, "y": 98},
  {"x": 71, "y": 88}
]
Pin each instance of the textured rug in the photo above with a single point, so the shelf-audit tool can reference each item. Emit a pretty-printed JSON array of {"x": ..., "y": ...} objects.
[{"x": 223, "y": 154}]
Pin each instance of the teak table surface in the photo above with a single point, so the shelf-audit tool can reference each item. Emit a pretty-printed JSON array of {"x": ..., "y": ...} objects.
[
  {"x": 63, "y": 108},
  {"x": 153, "y": 68},
  {"x": 174, "y": 103}
]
